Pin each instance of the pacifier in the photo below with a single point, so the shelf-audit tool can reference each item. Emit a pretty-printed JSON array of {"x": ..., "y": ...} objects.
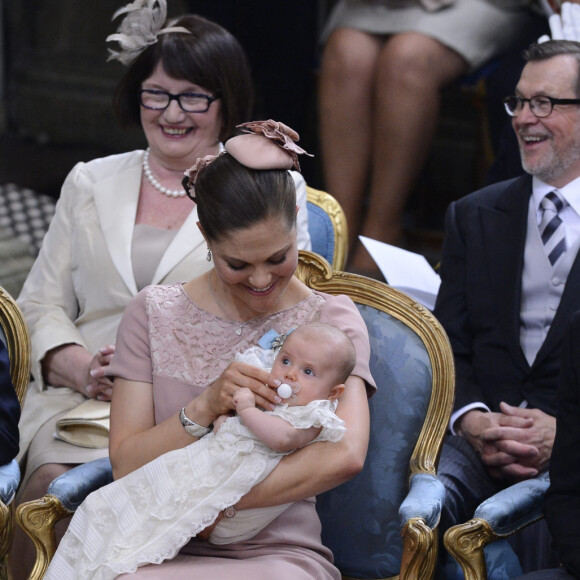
[{"x": 284, "y": 391}]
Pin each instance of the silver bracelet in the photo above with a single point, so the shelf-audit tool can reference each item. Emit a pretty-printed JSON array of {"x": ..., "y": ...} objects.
[{"x": 193, "y": 428}]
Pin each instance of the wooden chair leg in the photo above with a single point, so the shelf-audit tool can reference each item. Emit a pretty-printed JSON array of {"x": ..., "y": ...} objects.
[
  {"x": 465, "y": 542},
  {"x": 419, "y": 550},
  {"x": 38, "y": 518}
]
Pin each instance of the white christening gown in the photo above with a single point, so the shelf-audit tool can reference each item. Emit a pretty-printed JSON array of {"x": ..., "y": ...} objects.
[{"x": 148, "y": 515}]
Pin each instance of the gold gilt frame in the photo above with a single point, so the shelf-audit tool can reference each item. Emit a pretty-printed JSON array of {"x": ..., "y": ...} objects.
[
  {"x": 18, "y": 344},
  {"x": 331, "y": 206},
  {"x": 420, "y": 543},
  {"x": 465, "y": 542}
]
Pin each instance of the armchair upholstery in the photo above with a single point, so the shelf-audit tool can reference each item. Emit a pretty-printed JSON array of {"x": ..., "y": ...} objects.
[
  {"x": 327, "y": 227},
  {"x": 14, "y": 334},
  {"x": 412, "y": 363},
  {"x": 499, "y": 516}
]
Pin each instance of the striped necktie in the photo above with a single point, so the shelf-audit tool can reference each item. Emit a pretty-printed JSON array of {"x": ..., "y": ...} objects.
[{"x": 552, "y": 226}]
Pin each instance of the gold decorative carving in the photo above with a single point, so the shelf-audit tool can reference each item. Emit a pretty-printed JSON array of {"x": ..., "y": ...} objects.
[
  {"x": 18, "y": 342},
  {"x": 37, "y": 518},
  {"x": 419, "y": 550},
  {"x": 18, "y": 345},
  {"x": 465, "y": 542}
]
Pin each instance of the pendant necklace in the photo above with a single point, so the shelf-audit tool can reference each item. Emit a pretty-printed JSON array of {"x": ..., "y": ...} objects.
[
  {"x": 153, "y": 181},
  {"x": 214, "y": 295}
]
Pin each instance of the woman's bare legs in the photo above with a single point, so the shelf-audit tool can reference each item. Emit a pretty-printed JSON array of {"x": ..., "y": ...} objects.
[
  {"x": 411, "y": 71},
  {"x": 22, "y": 553},
  {"x": 347, "y": 85}
]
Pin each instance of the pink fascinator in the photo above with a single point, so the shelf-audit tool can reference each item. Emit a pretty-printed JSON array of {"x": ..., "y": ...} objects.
[
  {"x": 191, "y": 174},
  {"x": 266, "y": 145}
]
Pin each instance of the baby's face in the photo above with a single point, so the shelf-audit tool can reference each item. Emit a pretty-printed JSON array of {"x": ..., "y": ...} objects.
[{"x": 310, "y": 366}]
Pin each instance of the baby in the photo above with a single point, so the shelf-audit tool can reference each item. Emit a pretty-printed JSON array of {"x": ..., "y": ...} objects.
[{"x": 148, "y": 515}]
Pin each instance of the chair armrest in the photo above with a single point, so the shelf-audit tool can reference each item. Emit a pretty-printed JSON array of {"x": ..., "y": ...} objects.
[
  {"x": 72, "y": 487},
  {"x": 9, "y": 480},
  {"x": 424, "y": 500},
  {"x": 516, "y": 506}
]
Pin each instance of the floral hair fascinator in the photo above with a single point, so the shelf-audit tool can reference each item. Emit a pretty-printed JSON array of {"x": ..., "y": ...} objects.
[
  {"x": 140, "y": 28},
  {"x": 266, "y": 145},
  {"x": 191, "y": 174},
  {"x": 263, "y": 145}
]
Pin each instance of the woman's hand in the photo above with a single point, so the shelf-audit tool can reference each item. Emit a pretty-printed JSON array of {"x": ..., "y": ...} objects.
[
  {"x": 72, "y": 366},
  {"x": 100, "y": 386},
  {"x": 238, "y": 376}
]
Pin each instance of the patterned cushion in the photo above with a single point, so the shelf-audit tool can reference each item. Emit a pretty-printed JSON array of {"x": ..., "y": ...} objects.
[
  {"x": 25, "y": 214},
  {"x": 360, "y": 520}
]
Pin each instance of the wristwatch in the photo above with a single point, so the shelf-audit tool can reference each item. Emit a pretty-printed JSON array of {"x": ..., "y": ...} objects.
[
  {"x": 230, "y": 512},
  {"x": 192, "y": 427}
]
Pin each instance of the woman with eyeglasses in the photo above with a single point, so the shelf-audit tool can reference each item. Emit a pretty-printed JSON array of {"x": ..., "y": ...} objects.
[{"x": 123, "y": 222}]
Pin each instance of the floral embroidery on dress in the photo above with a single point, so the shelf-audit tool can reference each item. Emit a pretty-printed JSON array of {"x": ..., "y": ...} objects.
[{"x": 191, "y": 345}]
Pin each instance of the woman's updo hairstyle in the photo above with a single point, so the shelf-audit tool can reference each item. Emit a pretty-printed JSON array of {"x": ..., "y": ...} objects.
[
  {"x": 231, "y": 196},
  {"x": 249, "y": 182}
]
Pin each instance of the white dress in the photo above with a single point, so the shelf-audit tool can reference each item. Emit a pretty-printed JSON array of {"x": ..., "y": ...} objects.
[{"x": 148, "y": 515}]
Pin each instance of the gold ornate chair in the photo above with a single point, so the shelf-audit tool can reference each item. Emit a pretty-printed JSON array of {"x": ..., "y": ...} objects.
[
  {"x": 327, "y": 227},
  {"x": 14, "y": 334},
  {"x": 499, "y": 516},
  {"x": 383, "y": 523}
]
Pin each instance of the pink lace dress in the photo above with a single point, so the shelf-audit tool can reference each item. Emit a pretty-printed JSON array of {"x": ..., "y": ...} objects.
[{"x": 167, "y": 340}]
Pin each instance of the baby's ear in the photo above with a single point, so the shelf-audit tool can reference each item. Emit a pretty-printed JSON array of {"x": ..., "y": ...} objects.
[{"x": 336, "y": 392}]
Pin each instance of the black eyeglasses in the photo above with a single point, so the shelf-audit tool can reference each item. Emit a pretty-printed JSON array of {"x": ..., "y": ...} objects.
[
  {"x": 188, "y": 102},
  {"x": 540, "y": 106}
]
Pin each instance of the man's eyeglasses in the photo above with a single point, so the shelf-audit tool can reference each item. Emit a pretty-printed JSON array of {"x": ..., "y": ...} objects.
[
  {"x": 540, "y": 106},
  {"x": 188, "y": 102}
]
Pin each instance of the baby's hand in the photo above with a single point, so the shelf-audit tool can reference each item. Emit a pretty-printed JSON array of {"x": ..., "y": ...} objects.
[
  {"x": 243, "y": 398},
  {"x": 219, "y": 422}
]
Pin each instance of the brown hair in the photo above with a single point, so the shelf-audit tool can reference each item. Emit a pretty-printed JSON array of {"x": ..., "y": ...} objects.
[
  {"x": 231, "y": 196},
  {"x": 209, "y": 57}
]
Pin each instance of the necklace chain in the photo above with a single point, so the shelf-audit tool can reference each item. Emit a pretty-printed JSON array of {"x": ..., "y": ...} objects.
[
  {"x": 153, "y": 181},
  {"x": 219, "y": 305}
]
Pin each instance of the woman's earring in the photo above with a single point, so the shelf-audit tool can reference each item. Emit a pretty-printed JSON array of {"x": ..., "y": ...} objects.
[{"x": 208, "y": 257}]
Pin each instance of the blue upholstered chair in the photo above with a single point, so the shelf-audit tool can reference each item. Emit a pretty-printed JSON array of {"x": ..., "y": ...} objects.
[
  {"x": 14, "y": 334},
  {"x": 506, "y": 512},
  {"x": 383, "y": 523},
  {"x": 327, "y": 227}
]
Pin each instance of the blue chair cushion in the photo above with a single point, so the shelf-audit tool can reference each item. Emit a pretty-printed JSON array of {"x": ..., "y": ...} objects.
[
  {"x": 72, "y": 487},
  {"x": 9, "y": 480},
  {"x": 360, "y": 519},
  {"x": 321, "y": 232}
]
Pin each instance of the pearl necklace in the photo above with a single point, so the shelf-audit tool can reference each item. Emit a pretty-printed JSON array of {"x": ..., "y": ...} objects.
[
  {"x": 151, "y": 179},
  {"x": 214, "y": 295}
]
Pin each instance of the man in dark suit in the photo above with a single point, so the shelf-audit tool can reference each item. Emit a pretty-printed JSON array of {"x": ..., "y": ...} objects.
[
  {"x": 510, "y": 283},
  {"x": 9, "y": 411},
  {"x": 562, "y": 507}
]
